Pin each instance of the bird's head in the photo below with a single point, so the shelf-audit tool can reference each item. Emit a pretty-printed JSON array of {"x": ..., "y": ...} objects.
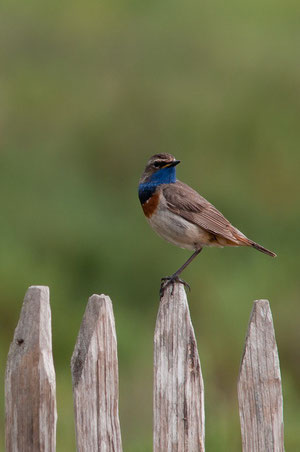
[{"x": 160, "y": 167}]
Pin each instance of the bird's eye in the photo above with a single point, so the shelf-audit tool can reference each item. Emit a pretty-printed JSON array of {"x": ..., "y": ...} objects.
[{"x": 157, "y": 164}]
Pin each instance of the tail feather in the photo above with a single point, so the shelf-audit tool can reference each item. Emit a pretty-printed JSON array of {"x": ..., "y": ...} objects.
[
  {"x": 245, "y": 241},
  {"x": 262, "y": 249}
]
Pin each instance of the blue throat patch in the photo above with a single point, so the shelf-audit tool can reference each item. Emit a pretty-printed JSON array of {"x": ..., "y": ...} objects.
[{"x": 162, "y": 176}]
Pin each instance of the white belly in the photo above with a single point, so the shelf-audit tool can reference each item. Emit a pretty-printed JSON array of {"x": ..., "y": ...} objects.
[{"x": 177, "y": 230}]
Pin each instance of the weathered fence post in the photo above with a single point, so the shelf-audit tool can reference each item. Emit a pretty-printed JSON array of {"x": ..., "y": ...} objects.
[
  {"x": 178, "y": 385},
  {"x": 30, "y": 404},
  {"x": 95, "y": 380},
  {"x": 259, "y": 386}
]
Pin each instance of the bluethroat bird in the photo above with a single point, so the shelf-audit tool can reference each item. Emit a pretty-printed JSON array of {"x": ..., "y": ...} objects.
[{"x": 181, "y": 216}]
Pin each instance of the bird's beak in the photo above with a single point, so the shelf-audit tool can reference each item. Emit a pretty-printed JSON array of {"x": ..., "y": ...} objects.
[{"x": 174, "y": 163}]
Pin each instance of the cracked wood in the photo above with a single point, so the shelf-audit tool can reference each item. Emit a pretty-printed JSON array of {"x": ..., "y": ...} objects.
[
  {"x": 259, "y": 385},
  {"x": 178, "y": 384},
  {"x": 30, "y": 404},
  {"x": 95, "y": 380}
]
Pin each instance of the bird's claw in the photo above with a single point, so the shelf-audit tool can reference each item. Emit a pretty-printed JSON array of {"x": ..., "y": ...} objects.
[{"x": 165, "y": 282}]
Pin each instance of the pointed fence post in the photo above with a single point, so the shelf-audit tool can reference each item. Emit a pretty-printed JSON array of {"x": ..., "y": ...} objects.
[
  {"x": 94, "y": 367},
  {"x": 178, "y": 384},
  {"x": 30, "y": 404},
  {"x": 259, "y": 386}
]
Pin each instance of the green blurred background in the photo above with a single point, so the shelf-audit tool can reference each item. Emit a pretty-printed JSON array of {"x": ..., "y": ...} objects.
[{"x": 89, "y": 91}]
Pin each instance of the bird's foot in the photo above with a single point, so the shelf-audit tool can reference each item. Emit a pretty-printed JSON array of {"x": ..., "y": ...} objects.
[{"x": 165, "y": 282}]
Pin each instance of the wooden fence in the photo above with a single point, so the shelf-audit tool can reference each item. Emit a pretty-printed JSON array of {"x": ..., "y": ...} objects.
[{"x": 178, "y": 385}]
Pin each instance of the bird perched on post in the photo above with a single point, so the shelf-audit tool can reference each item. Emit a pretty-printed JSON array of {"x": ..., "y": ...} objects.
[{"x": 181, "y": 216}]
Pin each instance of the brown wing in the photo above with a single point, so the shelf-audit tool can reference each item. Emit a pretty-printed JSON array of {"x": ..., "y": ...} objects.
[{"x": 186, "y": 202}]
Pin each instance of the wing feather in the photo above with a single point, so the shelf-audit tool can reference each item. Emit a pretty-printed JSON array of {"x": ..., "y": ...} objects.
[{"x": 187, "y": 203}]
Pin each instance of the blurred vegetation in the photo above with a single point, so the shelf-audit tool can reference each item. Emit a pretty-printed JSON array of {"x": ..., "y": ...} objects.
[{"x": 89, "y": 91}]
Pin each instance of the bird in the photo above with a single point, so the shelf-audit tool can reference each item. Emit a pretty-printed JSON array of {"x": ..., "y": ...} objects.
[{"x": 180, "y": 215}]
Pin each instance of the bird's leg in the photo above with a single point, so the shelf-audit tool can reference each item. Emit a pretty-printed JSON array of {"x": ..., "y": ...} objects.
[{"x": 175, "y": 277}]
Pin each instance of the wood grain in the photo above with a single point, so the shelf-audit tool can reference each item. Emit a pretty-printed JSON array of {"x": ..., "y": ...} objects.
[
  {"x": 30, "y": 404},
  {"x": 95, "y": 380},
  {"x": 259, "y": 385},
  {"x": 178, "y": 384}
]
